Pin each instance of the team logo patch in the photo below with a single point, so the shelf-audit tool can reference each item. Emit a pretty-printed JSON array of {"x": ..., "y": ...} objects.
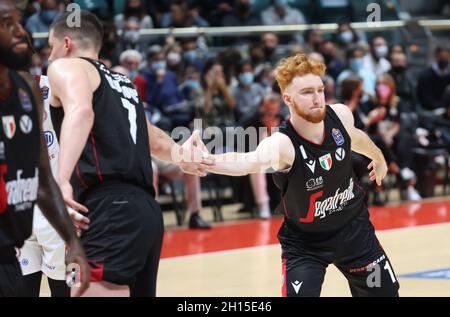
[
  {"x": 340, "y": 154},
  {"x": 25, "y": 262},
  {"x": 9, "y": 126},
  {"x": 25, "y": 100},
  {"x": 44, "y": 91},
  {"x": 337, "y": 136},
  {"x": 49, "y": 138},
  {"x": 326, "y": 161},
  {"x": 25, "y": 123},
  {"x": 2, "y": 151}
]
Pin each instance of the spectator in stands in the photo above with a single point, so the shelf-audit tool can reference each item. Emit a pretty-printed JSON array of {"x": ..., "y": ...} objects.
[
  {"x": 191, "y": 56},
  {"x": 268, "y": 116},
  {"x": 41, "y": 20},
  {"x": 355, "y": 62},
  {"x": 346, "y": 36},
  {"x": 375, "y": 61},
  {"x": 404, "y": 81},
  {"x": 162, "y": 90},
  {"x": 351, "y": 93},
  {"x": 433, "y": 81},
  {"x": 248, "y": 94},
  {"x": 334, "y": 65},
  {"x": 219, "y": 103},
  {"x": 401, "y": 140},
  {"x": 36, "y": 65},
  {"x": 280, "y": 13},
  {"x": 313, "y": 40},
  {"x": 182, "y": 15},
  {"x": 131, "y": 36},
  {"x": 131, "y": 61},
  {"x": 110, "y": 44},
  {"x": 241, "y": 15},
  {"x": 329, "y": 89},
  {"x": 269, "y": 41},
  {"x": 215, "y": 10},
  {"x": 192, "y": 190},
  {"x": 134, "y": 9}
]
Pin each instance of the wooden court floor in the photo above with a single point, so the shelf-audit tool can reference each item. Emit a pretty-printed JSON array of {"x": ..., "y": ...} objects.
[{"x": 243, "y": 258}]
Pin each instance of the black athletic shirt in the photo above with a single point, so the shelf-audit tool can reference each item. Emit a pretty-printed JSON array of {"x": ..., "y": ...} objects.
[
  {"x": 319, "y": 193},
  {"x": 19, "y": 162},
  {"x": 117, "y": 148}
]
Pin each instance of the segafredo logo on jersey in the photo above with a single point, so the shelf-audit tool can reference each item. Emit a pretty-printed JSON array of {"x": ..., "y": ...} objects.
[
  {"x": 22, "y": 192},
  {"x": 337, "y": 136},
  {"x": 9, "y": 126},
  {"x": 335, "y": 203}
]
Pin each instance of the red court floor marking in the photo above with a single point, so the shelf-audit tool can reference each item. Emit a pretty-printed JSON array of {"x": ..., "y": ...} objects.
[{"x": 254, "y": 233}]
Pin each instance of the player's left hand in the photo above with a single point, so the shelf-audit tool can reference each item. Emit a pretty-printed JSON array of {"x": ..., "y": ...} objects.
[
  {"x": 76, "y": 260},
  {"x": 378, "y": 172}
]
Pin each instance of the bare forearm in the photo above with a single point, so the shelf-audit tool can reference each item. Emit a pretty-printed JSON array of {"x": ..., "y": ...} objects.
[
  {"x": 162, "y": 145},
  {"x": 52, "y": 205},
  {"x": 74, "y": 134},
  {"x": 233, "y": 164},
  {"x": 361, "y": 143}
]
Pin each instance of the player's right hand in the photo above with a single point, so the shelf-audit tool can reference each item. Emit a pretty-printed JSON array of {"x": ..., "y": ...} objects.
[
  {"x": 67, "y": 193},
  {"x": 79, "y": 221},
  {"x": 200, "y": 159}
]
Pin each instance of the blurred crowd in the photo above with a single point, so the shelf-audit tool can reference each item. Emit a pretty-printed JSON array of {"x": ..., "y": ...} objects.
[{"x": 229, "y": 82}]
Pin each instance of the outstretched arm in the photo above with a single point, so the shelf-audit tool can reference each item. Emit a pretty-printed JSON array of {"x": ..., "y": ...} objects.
[
  {"x": 274, "y": 153},
  {"x": 361, "y": 143},
  {"x": 188, "y": 157}
]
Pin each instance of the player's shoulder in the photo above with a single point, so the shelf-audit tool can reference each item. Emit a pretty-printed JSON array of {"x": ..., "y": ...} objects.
[
  {"x": 344, "y": 114},
  {"x": 69, "y": 64},
  {"x": 280, "y": 141},
  {"x": 340, "y": 108}
]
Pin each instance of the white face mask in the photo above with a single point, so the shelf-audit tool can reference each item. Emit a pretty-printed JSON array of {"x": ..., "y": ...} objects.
[
  {"x": 36, "y": 71},
  {"x": 381, "y": 51},
  {"x": 173, "y": 58}
]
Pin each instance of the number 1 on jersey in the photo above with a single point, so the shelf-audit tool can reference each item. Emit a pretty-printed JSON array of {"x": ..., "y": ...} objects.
[{"x": 131, "y": 117}]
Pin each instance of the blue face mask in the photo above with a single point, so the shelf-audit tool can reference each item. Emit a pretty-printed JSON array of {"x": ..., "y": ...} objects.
[
  {"x": 48, "y": 16},
  {"x": 356, "y": 64},
  {"x": 133, "y": 74},
  {"x": 190, "y": 56},
  {"x": 159, "y": 65},
  {"x": 246, "y": 78},
  {"x": 346, "y": 37},
  {"x": 192, "y": 83}
]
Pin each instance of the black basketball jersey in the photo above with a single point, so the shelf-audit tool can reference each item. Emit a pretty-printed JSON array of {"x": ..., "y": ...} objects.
[
  {"x": 117, "y": 148},
  {"x": 19, "y": 162},
  {"x": 319, "y": 193}
]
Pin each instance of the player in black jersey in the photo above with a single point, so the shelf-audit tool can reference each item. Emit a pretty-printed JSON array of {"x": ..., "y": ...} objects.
[
  {"x": 325, "y": 219},
  {"x": 104, "y": 160},
  {"x": 25, "y": 175}
]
